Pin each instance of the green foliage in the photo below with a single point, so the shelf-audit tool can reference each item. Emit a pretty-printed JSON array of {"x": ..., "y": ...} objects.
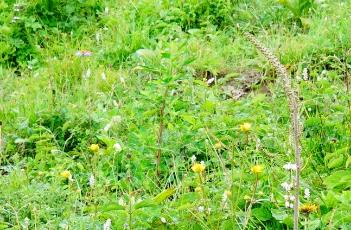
[
  {"x": 26, "y": 27},
  {"x": 180, "y": 67}
]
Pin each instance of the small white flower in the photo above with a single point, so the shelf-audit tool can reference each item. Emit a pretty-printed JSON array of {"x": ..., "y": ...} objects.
[
  {"x": 117, "y": 147},
  {"x": 91, "y": 180},
  {"x": 210, "y": 81},
  {"x": 291, "y": 205},
  {"x": 26, "y": 222},
  {"x": 305, "y": 74},
  {"x": 287, "y": 187},
  {"x": 201, "y": 208},
  {"x": 292, "y": 198},
  {"x": 103, "y": 76},
  {"x": 287, "y": 204},
  {"x": 79, "y": 53},
  {"x": 121, "y": 202},
  {"x": 307, "y": 193},
  {"x": 193, "y": 159},
  {"x": 290, "y": 166},
  {"x": 116, "y": 119},
  {"x": 203, "y": 163},
  {"x": 107, "y": 127},
  {"x": 163, "y": 220},
  {"x": 86, "y": 74},
  {"x": 107, "y": 224}
]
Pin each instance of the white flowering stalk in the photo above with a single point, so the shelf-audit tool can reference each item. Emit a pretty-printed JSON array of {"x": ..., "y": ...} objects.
[
  {"x": 117, "y": 147},
  {"x": 163, "y": 220},
  {"x": 107, "y": 224},
  {"x": 121, "y": 202},
  {"x": 91, "y": 180},
  {"x": 201, "y": 209},
  {"x": 307, "y": 193},
  {"x": 293, "y": 102},
  {"x": 193, "y": 159}
]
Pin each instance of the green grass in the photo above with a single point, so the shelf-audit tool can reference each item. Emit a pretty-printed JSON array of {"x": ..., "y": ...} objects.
[{"x": 149, "y": 68}]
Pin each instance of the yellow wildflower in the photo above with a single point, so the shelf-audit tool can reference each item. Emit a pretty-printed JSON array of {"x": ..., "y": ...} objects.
[
  {"x": 257, "y": 169},
  {"x": 228, "y": 193},
  {"x": 94, "y": 148},
  {"x": 198, "y": 189},
  {"x": 66, "y": 174},
  {"x": 246, "y": 127},
  {"x": 308, "y": 208},
  {"x": 198, "y": 168}
]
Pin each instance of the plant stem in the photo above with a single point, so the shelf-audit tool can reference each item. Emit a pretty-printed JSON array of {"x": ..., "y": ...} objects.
[
  {"x": 160, "y": 132},
  {"x": 248, "y": 214}
]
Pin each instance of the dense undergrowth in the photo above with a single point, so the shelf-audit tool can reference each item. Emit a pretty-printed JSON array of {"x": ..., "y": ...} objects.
[{"x": 160, "y": 115}]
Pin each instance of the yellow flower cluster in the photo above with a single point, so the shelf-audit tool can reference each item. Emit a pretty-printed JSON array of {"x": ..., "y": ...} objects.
[
  {"x": 94, "y": 148},
  {"x": 66, "y": 175},
  {"x": 308, "y": 208},
  {"x": 245, "y": 127},
  {"x": 198, "y": 168},
  {"x": 257, "y": 169}
]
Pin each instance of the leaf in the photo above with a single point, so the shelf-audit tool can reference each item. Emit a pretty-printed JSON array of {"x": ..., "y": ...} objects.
[
  {"x": 164, "y": 195},
  {"x": 348, "y": 162},
  {"x": 111, "y": 207},
  {"x": 278, "y": 214},
  {"x": 340, "y": 178},
  {"x": 262, "y": 213},
  {"x": 336, "y": 162},
  {"x": 145, "y": 203}
]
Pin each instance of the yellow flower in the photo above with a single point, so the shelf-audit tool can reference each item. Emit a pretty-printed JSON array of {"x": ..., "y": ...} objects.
[
  {"x": 246, "y": 127},
  {"x": 228, "y": 193},
  {"x": 198, "y": 189},
  {"x": 308, "y": 208},
  {"x": 94, "y": 148},
  {"x": 198, "y": 168},
  {"x": 257, "y": 169},
  {"x": 66, "y": 174}
]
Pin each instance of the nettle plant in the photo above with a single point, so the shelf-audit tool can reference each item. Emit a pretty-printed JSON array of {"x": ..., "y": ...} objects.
[{"x": 27, "y": 27}]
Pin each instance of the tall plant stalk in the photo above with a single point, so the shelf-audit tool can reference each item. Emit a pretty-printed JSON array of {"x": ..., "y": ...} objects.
[
  {"x": 160, "y": 133},
  {"x": 292, "y": 98}
]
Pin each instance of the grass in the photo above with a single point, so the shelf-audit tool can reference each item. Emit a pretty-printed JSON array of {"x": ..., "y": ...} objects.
[{"x": 171, "y": 83}]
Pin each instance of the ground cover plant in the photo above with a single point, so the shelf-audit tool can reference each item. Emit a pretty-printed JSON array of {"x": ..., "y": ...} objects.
[{"x": 175, "y": 114}]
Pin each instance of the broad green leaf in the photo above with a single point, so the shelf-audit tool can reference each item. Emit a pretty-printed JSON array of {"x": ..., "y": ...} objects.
[
  {"x": 336, "y": 162},
  {"x": 262, "y": 213},
  {"x": 164, "y": 195},
  {"x": 279, "y": 214},
  {"x": 145, "y": 203},
  {"x": 340, "y": 178}
]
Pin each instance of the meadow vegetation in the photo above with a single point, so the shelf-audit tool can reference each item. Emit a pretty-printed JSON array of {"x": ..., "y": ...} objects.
[{"x": 156, "y": 114}]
